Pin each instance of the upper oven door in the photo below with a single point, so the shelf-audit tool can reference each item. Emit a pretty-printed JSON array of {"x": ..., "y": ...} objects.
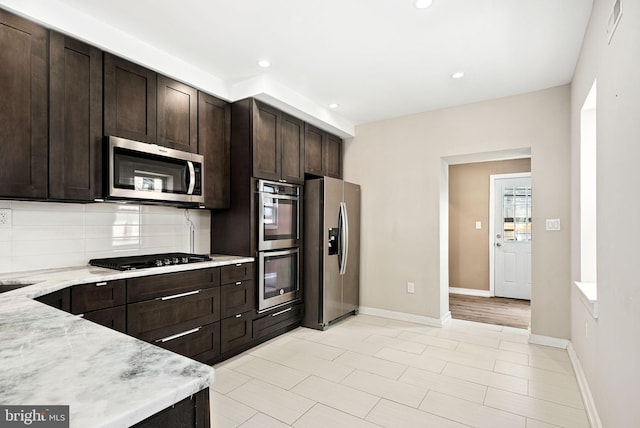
[
  {"x": 147, "y": 171},
  {"x": 278, "y": 215}
]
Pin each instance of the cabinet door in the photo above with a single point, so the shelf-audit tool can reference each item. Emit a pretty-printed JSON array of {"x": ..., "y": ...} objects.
[
  {"x": 214, "y": 142},
  {"x": 278, "y": 320},
  {"x": 313, "y": 150},
  {"x": 58, "y": 299},
  {"x": 113, "y": 318},
  {"x": 129, "y": 100},
  {"x": 333, "y": 156},
  {"x": 177, "y": 115},
  {"x": 266, "y": 138},
  {"x": 292, "y": 150},
  {"x": 201, "y": 343},
  {"x": 235, "y": 332},
  {"x": 75, "y": 119},
  {"x": 99, "y": 295},
  {"x": 23, "y": 110}
]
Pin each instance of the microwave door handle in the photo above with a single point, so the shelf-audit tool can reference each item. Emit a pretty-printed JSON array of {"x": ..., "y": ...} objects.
[
  {"x": 191, "y": 178},
  {"x": 344, "y": 237}
]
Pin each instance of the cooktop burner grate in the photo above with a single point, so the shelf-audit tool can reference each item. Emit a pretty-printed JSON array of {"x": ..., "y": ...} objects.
[{"x": 148, "y": 261}]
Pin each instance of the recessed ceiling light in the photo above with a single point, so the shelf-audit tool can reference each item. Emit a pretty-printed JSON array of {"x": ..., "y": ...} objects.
[
  {"x": 423, "y": 4},
  {"x": 264, "y": 63},
  {"x": 334, "y": 105},
  {"x": 457, "y": 75}
]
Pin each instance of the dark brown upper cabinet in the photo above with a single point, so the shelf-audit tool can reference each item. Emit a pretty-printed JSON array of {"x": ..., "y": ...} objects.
[
  {"x": 214, "y": 141},
  {"x": 278, "y": 145},
  {"x": 23, "y": 110},
  {"x": 75, "y": 119},
  {"x": 177, "y": 115},
  {"x": 129, "y": 100},
  {"x": 322, "y": 153}
]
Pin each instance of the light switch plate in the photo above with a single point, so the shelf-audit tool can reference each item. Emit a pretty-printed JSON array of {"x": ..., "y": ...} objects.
[
  {"x": 553, "y": 224},
  {"x": 5, "y": 218}
]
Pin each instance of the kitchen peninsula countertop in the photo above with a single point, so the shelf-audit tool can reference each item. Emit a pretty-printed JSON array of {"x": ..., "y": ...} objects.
[{"x": 109, "y": 379}]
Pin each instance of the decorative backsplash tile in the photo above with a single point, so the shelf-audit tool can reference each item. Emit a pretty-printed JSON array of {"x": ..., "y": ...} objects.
[{"x": 52, "y": 235}]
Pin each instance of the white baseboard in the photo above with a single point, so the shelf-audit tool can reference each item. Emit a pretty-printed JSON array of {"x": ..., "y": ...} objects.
[
  {"x": 554, "y": 342},
  {"x": 401, "y": 316},
  {"x": 587, "y": 398},
  {"x": 470, "y": 292}
]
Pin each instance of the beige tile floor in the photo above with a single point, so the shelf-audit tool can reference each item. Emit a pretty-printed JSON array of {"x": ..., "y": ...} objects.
[{"x": 375, "y": 372}]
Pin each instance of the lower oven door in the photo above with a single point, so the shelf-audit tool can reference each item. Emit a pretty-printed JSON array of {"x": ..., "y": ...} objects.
[{"x": 279, "y": 277}]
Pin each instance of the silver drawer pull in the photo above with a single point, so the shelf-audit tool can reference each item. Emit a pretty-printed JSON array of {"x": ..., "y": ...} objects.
[
  {"x": 238, "y": 316},
  {"x": 239, "y": 283},
  {"x": 80, "y": 315},
  {"x": 175, "y": 336},
  {"x": 100, "y": 284},
  {"x": 175, "y": 296},
  {"x": 238, "y": 264},
  {"x": 281, "y": 312}
]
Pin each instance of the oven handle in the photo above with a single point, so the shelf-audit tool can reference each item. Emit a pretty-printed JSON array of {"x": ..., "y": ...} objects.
[{"x": 192, "y": 178}]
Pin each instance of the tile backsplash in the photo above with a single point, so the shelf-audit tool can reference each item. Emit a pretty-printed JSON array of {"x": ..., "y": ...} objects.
[{"x": 47, "y": 235}]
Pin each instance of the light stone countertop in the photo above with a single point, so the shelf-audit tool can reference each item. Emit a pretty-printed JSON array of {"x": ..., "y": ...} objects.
[{"x": 109, "y": 379}]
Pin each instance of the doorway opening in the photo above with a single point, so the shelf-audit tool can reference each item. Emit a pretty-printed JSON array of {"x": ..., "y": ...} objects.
[{"x": 468, "y": 237}]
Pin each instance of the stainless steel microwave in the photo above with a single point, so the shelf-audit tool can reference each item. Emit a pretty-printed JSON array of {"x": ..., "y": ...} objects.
[{"x": 148, "y": 172}]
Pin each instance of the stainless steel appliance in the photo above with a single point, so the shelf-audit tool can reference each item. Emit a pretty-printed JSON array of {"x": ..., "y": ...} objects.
[
  {"x": 279, "y": 211},
  {"x": 148, "y": 261},
  {"x": 331, "y": 251},
  {"x": 279, "y": 279},
  {"x": 148, "y": 172},
  {"x": 278, "y": 215}
]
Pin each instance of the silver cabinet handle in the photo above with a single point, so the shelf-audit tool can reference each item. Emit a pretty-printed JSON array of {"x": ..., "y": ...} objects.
[
  {"x": 100, "y": 284},
  {"x": 175, "y": 296},
  {"x": 175, "y": 336},
  {"x": 238, "y": 316},
  {"x": 239, "y": 283},
  {"x": 238, "y": 264},
  {"x": 281, "y": 312}
]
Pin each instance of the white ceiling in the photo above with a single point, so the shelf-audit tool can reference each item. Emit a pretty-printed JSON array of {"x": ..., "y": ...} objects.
[{"x": 377, "y": 58}]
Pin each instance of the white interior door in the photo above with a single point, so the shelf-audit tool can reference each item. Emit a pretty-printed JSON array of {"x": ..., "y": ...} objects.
[{"x": 512, "y": 236}]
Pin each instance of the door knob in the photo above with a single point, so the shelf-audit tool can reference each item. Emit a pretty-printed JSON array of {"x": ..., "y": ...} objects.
[{"x": 498, "y": 244}]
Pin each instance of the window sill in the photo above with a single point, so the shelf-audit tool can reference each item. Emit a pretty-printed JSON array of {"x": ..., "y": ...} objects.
[{"x": 588, "y": 292}]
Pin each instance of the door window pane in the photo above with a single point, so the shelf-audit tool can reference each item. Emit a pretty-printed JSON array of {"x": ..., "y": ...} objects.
[{"x": 516, "y": 213}]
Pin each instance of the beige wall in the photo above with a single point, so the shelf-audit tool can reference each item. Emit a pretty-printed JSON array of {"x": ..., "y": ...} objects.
[
  {"x": 609, "y": 347},
  {"x": 399, "y": 163},
  {"x": 468, "y": 203}
]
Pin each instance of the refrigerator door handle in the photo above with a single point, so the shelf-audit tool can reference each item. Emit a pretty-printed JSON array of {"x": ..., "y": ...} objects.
[{"x": 344, "y": 237}]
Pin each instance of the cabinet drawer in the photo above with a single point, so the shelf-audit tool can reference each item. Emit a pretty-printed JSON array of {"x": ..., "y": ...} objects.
[
  {"x": 151, "y": 287},
  {"x": 98, "y": 295},
  {"x": 277, "y": 320},
  {"x": 114, "y": 318},
  {"x": 237, "y": 298},
  {"x": 235, "y": 331},
  {"x": 169, "y": 315},
  {"x": 238, "y": 272},
  {"x": 200, "y": 343}
]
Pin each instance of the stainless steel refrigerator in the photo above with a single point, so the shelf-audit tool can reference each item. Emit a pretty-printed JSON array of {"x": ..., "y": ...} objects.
[{"x": 331, "y": 251}]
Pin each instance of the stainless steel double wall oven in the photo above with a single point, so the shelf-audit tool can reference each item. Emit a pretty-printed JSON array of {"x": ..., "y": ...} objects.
[{"x": 279, "y": 215}]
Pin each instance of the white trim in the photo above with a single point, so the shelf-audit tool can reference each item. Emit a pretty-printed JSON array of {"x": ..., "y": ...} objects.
[
  {"x": 470, "y": 292},
  {"x": 587, "y": 398},
  {"x": 588, "y": 292},
  {"x": 401, "y": 316},
  {"x": 554, "y": 342},
  {"x": 492, "y": 220}
]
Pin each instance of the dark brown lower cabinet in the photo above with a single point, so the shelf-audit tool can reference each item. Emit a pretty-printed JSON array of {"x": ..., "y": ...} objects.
[
  {"x": 237, "y": 298},
  {"x": 114, "y": 318},
  {"x": 192, "y": 412},
  {"x": 200, "y": 343},
  {"x": 235, "y": 331},
  {"x": 277, "y": 320},
  {"x": 60, "y": 299},
  {"x": 173, "y": 314}
]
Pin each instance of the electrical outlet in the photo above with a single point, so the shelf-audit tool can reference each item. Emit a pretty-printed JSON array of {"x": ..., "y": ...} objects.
[
  {"x": 5, "y": 218},
  {"x": 411, "y": 287}
]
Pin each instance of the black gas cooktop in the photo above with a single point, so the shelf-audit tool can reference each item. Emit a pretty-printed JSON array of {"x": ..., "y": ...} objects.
[{"x": 148, "y": 261}]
